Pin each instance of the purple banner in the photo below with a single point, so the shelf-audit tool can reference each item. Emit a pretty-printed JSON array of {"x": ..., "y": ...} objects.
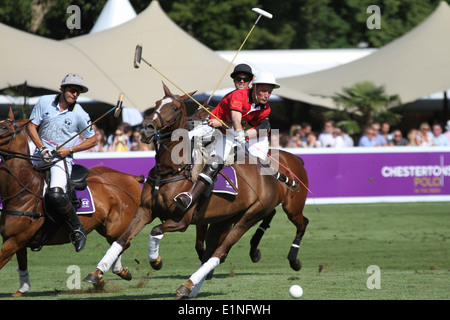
[
  {"x": 350, "y": 175},
  {"x": 379, "y": 174}
]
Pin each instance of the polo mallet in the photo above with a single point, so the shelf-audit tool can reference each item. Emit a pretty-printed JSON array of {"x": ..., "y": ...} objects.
[
  {"x": 118, "y": 109},
  {"x": 260, "y": 13},
  {"x": 137, "y": 62}
]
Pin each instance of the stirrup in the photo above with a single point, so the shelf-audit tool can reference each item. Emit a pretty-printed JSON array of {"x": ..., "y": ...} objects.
[{"x": 178, "y": 200}]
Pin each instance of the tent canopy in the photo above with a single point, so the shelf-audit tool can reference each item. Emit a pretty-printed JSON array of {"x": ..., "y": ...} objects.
[
  {"x": 105, "y": 60},
  {"x": 114, "y": 13},
  {"x": 412, "y": 66}
]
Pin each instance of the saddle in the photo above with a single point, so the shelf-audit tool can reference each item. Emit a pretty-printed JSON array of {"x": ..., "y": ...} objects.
[{"x": 77, "y": 181}]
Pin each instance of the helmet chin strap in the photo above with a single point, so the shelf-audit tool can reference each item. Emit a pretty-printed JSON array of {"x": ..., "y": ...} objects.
[{"x": 63, "y": 90}]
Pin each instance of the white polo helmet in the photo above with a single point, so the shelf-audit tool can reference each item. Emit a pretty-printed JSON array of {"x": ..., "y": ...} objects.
[
  {"x": 266, "y": 77},
  {"x": 74, "y": 80}
]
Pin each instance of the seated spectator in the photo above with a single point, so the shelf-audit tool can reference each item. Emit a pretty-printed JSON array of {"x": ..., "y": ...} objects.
[
  {"x": 338, "y": 140},
  {"x": 137, "y": 144},
  {"x": 119, "y": 142},
  {"x": 381, "y": 141},
  {"x": 424, "y": 138},
  {"x": 368, "y": 139},
  {"x": 397, "y": 139},
  {"x": 438, "y": 138},
  {"x": 126, "y": 132},
  {"x": 306, "y": 130},
  {"x": 412, "y": 137},
  {"x": 326, "y": 137},
  {"x": 311, "y": 141},
  {"x": 296, "y": 139},
  {"x": 101, "y": 140},
  {"x": 348, "y": 141},
  {"x": 385, "y": 131}
]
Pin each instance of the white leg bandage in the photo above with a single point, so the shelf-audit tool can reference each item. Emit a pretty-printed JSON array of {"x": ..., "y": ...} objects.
[
  {"x": 153, "y": 247},
  {"x": 24, "y": 280},
  {"x": 203, "y": 271},
  {"x": 117, "y": 265},
  {"x": 110, "y": 257}
]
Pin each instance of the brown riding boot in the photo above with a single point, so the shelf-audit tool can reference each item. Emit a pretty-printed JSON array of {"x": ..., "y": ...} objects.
[{"x": 205, "y": 179}]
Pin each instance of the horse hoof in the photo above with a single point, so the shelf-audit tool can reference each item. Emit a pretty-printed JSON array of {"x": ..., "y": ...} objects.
[
  {"x": 183, "y": 292},
  {"x": 125, "y": 274},
  {"x": 296, "y": 265},
  {"x": 100, "y": 285},
  {"x": 157, "y": 264},
  {"x": 255, "y": 255},
  {"x": 18, "y": 294},
  {"x": 93, "y": 278}
]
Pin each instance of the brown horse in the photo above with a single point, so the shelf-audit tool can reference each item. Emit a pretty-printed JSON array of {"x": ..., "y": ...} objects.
[
  {"x": 255, "y": 254},
  {"x": 229, "y": 216},
  {"x": 23, "y": 222}
]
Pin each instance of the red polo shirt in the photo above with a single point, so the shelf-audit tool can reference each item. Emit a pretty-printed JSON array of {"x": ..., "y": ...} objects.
[{"x": 238, "y": 100}]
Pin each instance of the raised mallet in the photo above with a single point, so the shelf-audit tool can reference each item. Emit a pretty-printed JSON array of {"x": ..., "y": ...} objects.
[{"x": 260, "y": 13}]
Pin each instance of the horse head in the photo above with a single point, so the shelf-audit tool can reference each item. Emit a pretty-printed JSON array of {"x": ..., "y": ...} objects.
[
  {"x": 169, "y": 115},
  {"x": 10, "y": 128}
]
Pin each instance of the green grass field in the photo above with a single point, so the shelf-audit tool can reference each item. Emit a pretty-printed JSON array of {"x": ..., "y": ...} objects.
[{"x": 409, "y": 242}]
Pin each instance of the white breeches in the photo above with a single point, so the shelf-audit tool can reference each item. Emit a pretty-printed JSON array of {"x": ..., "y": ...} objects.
[
  {"x": 257, "y": 147},
  {"x": 58, "y": 177}
]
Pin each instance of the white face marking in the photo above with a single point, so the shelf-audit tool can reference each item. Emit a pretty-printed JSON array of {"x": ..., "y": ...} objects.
[{"x": 163, "y": 102}]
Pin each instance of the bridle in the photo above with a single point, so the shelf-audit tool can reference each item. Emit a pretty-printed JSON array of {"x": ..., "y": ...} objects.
[
  {"x": 7, "y": 154},
  {"x": 176, "y": 118}
]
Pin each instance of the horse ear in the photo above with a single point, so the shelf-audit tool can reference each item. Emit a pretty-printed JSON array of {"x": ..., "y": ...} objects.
[
  {"x": 185, "y": 97},
  {"x": 166, "y": 90},
  {"x": 11, "y": 114}
]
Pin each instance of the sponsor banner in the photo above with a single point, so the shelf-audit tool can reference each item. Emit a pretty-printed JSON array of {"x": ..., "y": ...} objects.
[{"x": 350, "y": 175}]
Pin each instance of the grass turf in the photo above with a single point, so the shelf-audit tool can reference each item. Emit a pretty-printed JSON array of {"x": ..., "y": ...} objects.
[{"x": 409, "y": 242}]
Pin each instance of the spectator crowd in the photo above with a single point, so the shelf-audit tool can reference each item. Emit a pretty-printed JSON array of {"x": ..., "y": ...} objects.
[
  {"x": 126, "y": 138},
  {"x": 374, "y": 135}
]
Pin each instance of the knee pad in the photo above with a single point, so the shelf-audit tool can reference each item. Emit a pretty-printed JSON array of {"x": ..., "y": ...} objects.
[{"x": 58, "y": 199}]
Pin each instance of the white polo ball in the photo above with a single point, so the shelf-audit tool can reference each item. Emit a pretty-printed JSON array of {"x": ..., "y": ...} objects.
[{"x": 296, "y": 291}]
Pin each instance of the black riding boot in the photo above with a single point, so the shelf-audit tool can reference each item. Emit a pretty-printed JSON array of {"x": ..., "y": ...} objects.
[
  {"x": 205, "y": 179},
  {"x": 60, "y": 202}
]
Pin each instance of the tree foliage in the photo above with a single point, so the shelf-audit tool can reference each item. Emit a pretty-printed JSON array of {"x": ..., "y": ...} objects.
[
  {"x": 362, "y": 104},
  {"x": 223, "y": 25}
]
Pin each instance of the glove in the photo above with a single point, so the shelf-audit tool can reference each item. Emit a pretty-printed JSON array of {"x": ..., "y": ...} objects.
[
  {"x": 240, "y": 137},
  {"x": 47, "y": 155}
]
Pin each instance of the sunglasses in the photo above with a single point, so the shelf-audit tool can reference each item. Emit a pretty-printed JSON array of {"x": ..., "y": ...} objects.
[
  {"x": 73, "y": 90},
  {"x": 239, "y": 79}
]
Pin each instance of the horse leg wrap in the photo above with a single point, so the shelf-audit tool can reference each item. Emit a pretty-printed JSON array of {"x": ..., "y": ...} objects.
[
  {"x": 204, "y": 269},
  {"x": 295, "y": 246},
  {"x": 153, "y": 247},
  {"x": 24, "y": 280},
  {"x": 110, "y": 257}
]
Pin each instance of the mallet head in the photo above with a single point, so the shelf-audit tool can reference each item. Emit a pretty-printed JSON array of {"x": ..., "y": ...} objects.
[
  {"x": 138, "y": 56},
  {"x": 119, "y": 106},
  {"x": 261, "y": 12}
]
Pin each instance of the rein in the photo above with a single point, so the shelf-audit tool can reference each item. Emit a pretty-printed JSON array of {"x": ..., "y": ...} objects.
[{"x": 7, "y": 154}]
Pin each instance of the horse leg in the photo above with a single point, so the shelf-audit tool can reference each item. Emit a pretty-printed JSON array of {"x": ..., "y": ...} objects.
[
  {"x": 24, "y": 278},
  {"x": 200, "y": 239},
  {"x": 255, "y": 253},
  {"x": 157, "y": 234},
  {"x": 219, "y": 256},
  {"x": 301, "y": 222},
  {"x": 121, "y": 271},
  {"x": 142, "y": 217}
]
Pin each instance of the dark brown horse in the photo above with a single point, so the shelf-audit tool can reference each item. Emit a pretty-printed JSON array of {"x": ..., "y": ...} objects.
[
  {"x": 229, "y": 216},
  {"x": 23, "y": 222}
]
